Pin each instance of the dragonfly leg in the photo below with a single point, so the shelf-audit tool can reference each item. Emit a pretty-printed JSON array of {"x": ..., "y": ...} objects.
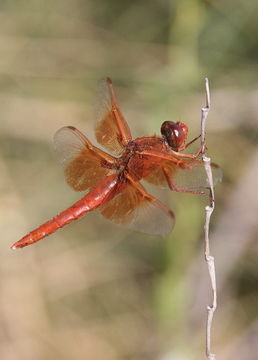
[
  {"x": 192, "y": 141},
  {"x": 188, "y": 190}
]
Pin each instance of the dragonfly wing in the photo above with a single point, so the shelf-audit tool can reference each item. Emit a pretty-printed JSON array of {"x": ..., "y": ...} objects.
[
  {"x": 112, "y": 130},
  {"x": 84, "y": 164},
  {"x": 157, "y": 177},
  {"x": 187, "y": 173},
  {"x": 138, "y": 210},
  {"x": 192, "y": 174}
]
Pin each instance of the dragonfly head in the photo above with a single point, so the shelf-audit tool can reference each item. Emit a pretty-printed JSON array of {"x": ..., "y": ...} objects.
[{"x": 175, "y": 134}]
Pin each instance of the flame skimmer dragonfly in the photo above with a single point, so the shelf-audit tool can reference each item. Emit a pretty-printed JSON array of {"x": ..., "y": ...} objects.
[{"x": 113, "y": 181}]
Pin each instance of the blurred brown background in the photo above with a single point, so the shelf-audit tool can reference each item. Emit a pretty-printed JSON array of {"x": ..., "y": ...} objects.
[{"x": 95, "y": 290}]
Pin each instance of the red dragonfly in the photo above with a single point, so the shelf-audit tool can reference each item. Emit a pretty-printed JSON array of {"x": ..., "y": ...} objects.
[{"x": 113, "y": 181}]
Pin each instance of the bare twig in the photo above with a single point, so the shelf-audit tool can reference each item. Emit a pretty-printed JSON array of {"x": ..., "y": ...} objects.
[{"x": 208, "y": 211}]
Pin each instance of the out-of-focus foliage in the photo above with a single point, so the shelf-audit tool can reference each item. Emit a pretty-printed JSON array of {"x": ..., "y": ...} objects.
[{"x": 94, "y": 290}]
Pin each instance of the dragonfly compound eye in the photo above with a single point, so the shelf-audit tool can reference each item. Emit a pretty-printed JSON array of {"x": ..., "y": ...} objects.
[{"x": 175, "y": 134}]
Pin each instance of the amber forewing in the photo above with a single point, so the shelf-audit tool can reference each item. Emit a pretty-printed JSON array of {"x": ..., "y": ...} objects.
[
  {"x": 83, "y": 163},
  {"x": 112, "y": 130}
]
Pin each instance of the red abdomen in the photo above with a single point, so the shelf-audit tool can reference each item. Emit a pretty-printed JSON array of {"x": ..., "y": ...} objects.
[{"x": 96, "y": 197}]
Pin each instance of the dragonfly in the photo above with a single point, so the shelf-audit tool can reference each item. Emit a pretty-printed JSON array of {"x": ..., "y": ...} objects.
[{"x": 113, "y": 178}]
